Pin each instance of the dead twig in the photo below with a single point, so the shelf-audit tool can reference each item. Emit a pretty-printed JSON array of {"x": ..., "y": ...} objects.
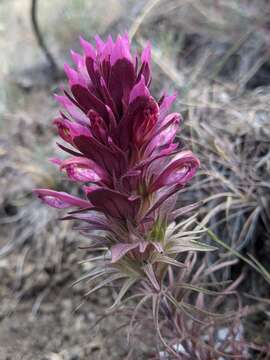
[{"x": 40, "y": 39}]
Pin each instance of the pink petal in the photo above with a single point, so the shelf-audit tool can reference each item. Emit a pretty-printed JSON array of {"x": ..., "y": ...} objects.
[
  {"x": 83, "y": 169},
  {"x": 166, "y": 104},
  {"x": 99, "y": 44},
  {"x": 76, "y": 57},
  {"x": 81, "y": 173},
  {"x": 90, "y": 217},
  {"x": 165, "y": 134},
  {"x": 75, "y": 112},
  {"x": 55, "y": 161},
  {"x": 107, "y": 49},
  {"x": 74, "y": 77},
  {"x": 146, "y": 64},
  {"x": 146, "y": 54},
  {"x": 79, "y": 61},
  {"x": 179, "y": 171},
  {"x": 120, "y": 51},
  {"x": 89, "y": 189},
  {"x": 68, "y": 130},
  {"x": 145, "y": 123},
  {"x": 60, "y": 200},
  {"x": 139, "y": 90},
  {"x": 88, "y": 49},
  {"x": 119, "y": 250}
]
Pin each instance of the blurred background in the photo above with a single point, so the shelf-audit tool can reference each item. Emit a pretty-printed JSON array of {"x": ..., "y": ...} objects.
[{"x": 216, "y": 54}]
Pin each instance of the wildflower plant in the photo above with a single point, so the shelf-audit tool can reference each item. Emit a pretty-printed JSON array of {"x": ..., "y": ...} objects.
[{"x": 122, "y": 151}]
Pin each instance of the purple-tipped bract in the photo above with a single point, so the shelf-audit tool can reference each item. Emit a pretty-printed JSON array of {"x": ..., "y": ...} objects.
[{"x": 122, "y": 147}]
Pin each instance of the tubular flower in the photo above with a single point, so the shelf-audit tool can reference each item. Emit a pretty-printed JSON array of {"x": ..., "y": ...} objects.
[{"x": 121, "y": 143}]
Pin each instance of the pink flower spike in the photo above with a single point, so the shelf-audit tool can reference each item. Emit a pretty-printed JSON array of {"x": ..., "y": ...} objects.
[
  {"x": 123, "y": 147},
  {"x": 60, "y": 200}
]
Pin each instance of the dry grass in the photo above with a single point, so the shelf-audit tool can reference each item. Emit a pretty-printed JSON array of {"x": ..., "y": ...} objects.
[{"x": 217, "y": 54}]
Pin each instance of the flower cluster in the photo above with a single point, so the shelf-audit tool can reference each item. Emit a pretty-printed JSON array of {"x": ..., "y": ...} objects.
[{"x": 122, "y": 148}]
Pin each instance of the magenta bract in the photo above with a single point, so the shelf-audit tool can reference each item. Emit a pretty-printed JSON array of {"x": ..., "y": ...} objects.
[{"x": 122, "y": 145}]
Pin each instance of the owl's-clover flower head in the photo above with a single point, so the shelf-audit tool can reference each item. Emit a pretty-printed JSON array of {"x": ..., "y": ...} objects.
[{"x": 122, "y": 147}]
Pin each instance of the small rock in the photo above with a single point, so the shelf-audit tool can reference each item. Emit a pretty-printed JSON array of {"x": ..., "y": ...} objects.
[
  {"x": 79, "y": 323},
  {"x": 67, "y": 304},
  {"x": 76, "y": 354},
  {"x": 53, "y": 356},
  {"x": 43, "y": 279},
  {"x": 4, "y": 262}
]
